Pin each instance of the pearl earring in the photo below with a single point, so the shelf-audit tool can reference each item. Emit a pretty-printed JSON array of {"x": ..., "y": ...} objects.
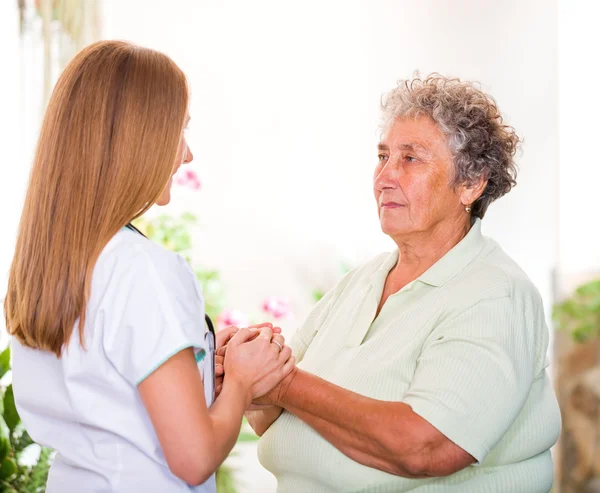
[{"x": 468, "y": 208}]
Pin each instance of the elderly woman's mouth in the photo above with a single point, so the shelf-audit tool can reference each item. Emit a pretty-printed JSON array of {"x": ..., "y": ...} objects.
[{"x": 391, "y": 205}]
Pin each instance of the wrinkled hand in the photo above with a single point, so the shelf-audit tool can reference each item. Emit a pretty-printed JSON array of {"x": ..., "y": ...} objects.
[{"x": 276, "y": 396}]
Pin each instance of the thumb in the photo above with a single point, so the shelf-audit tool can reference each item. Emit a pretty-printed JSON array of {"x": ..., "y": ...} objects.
[
  {"x": 224, "y": 335},
  {"x": 266, "y": 333}
]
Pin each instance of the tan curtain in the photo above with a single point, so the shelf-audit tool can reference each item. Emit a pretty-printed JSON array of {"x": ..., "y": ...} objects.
[{"x": 67, "y": 26}]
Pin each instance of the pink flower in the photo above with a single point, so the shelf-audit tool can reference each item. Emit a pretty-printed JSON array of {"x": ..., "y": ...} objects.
[
  {"x": 188, "y": 178},
  {"x": 227, "y": 318},
  {"x": 278, "y": 307}
]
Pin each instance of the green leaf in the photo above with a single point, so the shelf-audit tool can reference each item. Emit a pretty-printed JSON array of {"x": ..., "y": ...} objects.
[
  {"x": 580, "y": 313},
  {"x": 8, "y": 469},
  {"x": 4, "y": 361},
  {"x": 11, "y": 415},
  {"x": 4, "y": 439},
  {"x": 225, "y": 480}
]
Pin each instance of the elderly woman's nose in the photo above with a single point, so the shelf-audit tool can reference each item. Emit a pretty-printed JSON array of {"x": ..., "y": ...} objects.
[{"x": 386, "y": 178}]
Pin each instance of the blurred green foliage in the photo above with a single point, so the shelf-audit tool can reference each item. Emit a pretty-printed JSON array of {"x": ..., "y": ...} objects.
[
  {"x": 175, "y": 234},
  {"x": 15, "y": 476},
  {"x": 580, "y": 313}
]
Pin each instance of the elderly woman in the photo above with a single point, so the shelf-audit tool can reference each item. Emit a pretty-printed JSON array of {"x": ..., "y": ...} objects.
[{"x": 423, "y": 370}]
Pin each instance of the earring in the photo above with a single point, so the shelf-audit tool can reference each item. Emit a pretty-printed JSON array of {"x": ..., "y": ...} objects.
[{"x": 468, "y": 209}]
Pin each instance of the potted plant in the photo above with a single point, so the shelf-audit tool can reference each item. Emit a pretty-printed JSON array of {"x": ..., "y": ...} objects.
[{"x": 577, "y": 370}]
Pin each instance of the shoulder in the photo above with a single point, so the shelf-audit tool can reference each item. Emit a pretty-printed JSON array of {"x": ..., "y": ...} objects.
[
  {"x": 131, "y": 258},
  {"x": 493, "y": 274}
]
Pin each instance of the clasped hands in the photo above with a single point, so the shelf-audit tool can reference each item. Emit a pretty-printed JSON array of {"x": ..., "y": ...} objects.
[{"x": 258, "y": 358}]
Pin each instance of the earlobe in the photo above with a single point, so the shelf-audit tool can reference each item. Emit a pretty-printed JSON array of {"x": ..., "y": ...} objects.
[{"x": 473, "y": 192}]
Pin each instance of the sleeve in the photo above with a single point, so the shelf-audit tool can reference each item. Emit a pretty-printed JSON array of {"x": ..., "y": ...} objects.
[
  {"x": 474, "y": 375},
  {"x": 158, "y": 312}
]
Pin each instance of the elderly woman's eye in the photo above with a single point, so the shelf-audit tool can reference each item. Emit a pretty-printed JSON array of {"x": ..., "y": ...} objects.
[
  {"x": 411, "y": 159},
  {"x": 382, "y": 157}
]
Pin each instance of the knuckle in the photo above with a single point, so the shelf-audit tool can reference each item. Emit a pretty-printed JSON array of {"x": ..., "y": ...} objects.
[{"x": 243, "y": 332}]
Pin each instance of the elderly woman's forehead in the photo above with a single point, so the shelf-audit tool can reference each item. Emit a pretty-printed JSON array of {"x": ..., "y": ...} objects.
[{"x": 413, "y": 134}]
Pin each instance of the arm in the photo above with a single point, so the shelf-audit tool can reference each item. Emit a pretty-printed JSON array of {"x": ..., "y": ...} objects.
[
  {"x": 194, "y": 439},
  {"x": 387, "y": 436},
  {"x": 261, "y": 417},
  {"x": 472, "y": 379}
]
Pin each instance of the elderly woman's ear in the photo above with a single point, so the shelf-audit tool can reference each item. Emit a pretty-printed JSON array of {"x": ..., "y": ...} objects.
[{"x": 472, "y": 191}]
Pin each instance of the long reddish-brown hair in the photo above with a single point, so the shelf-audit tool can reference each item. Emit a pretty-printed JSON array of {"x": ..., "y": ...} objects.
[{"x": 105, "y": 153}]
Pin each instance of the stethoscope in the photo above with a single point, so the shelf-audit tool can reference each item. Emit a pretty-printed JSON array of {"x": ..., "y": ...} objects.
[{"x": 210, "y": 338}]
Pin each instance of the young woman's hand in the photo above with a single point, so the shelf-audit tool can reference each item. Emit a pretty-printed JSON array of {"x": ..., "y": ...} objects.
[
  {"x": 223, "y": 336},
  {"x": 256, "y": 362}
]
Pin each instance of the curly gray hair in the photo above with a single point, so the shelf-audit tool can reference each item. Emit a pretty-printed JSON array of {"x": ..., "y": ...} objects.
[{"x": 481, "y": 144}]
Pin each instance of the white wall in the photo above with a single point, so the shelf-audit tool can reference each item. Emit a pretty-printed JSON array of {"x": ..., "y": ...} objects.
[
  {"x": 579, "y": 107},
  {"x": 285, "y": 113}
]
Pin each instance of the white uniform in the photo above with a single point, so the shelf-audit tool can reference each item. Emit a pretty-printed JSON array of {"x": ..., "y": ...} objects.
[{"x": 145, "y": 306}]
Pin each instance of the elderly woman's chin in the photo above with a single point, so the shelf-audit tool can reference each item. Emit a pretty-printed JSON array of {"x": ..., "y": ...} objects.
[{"x": 394, "y": 223}]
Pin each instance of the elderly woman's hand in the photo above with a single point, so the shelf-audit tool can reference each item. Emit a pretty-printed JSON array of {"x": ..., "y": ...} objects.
[{"x": 277, "y": 394}]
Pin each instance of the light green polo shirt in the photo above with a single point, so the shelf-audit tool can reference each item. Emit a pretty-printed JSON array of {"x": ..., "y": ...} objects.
[{"x": 464, "y": 345}]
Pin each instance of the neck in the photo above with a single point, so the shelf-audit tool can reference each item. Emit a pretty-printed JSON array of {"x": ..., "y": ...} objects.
[{"x": 419, "y": 251}]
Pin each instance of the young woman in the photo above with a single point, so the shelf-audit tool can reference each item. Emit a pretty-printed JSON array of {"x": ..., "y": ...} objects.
[{"x": 109, "y": 332}]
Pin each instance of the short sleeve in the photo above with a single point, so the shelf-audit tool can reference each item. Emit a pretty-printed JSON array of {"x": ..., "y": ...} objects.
[
  {"x": 474, "y": 374},
  {"x": 156, "y": 310}
]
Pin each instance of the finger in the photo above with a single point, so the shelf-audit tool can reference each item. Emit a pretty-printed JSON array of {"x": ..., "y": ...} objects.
[
  {"x": 242, "y": 335},
  {"x": 279, "y": 339},
  {"x": 276, "y": 330},
  {"x": 285, "y": 355},
  {"x": 222, "y": 351},
  {"x": 255, "y": 333},
  {"x": 266, "y": 333},
  {"x": 219, "y": 370},
  {"x": 260, "y": 326},
  {"x": 289, "y": 366},
  {"x": 224, "y": 335},
  {"x": 219, "y": 359}
]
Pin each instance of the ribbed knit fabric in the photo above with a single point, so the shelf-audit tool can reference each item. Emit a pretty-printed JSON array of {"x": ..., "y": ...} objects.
[{"x": 464, "y": 345}]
